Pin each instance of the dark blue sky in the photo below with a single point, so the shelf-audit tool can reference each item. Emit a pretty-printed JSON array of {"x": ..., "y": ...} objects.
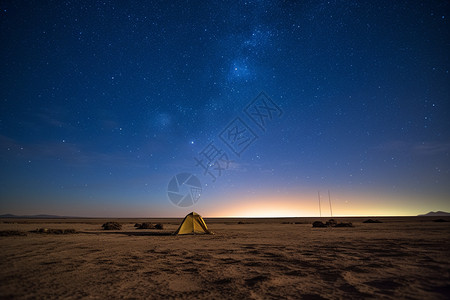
[{"x": 102, "y": 103}]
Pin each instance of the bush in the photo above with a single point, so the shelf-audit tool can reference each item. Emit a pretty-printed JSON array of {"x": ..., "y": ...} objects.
[
  {"x": 372, "y": 221},
  {"x": 12, "y": 233},
  {"x": 54, "y": 231},
  {"x": 331, "y": 223},
  {"x": 146, "y": 225},
  {"x": 342, "y": 224},
  {"x": 319, "y": 224},
  {"x": 112, "y": 226}
]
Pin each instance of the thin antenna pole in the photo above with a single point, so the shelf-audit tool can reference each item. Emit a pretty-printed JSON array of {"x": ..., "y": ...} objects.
[
  {"x": 320, "y": 210},
  {"x": 329, "y": 200}
]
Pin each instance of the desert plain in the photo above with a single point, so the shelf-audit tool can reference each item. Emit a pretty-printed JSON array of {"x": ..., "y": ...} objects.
[{"x": 400, "y": 258}]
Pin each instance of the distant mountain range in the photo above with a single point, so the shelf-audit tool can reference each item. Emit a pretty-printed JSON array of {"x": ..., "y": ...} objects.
[{"x": 436, "y": 214}]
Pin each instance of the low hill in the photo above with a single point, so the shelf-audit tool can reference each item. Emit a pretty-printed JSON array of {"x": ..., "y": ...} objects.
[{"x": 436, "y": 214}]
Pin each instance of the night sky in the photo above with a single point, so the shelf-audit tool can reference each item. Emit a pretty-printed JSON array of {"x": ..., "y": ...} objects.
[{"x": 266, "y": 103}]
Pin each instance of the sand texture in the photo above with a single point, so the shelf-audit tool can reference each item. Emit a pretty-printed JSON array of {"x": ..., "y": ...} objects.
[{"x": 260, "y": 259}]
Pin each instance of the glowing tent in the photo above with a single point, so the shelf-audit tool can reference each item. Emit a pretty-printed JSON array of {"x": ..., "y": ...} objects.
[{"x": 192, "y": 224}]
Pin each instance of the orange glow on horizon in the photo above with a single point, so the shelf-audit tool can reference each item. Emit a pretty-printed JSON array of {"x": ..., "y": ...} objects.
[{"x": 307, "y": 205}]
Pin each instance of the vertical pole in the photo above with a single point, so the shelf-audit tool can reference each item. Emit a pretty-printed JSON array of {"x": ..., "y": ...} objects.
[
  {"x": 329, "y": 200},
  {"x": 320, "y": 210}
]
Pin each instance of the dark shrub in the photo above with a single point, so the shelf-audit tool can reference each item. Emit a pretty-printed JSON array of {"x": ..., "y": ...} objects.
[
  {"x": 112, "y": 226},
  {"x": 332, "y": 223},
  {"x": 342, "y": 224},
  {"x": 54, "y": 231},
  {"x": 372, "y": 221},
  {"x": 319, "y": 224},
  {"x": 12, "y": 233},
  {"x": 146, "y": 225}
]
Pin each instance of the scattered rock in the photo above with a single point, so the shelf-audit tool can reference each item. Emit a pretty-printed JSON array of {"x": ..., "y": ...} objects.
[
  {"x": 112, "y": 226},
  {"x": 331, "y": 223},
  {"x": 54, "y": 231},
  {"x": 146, "y": 225},
  {"x": 343, "y": 224},
  {"x": 137, "y": 225},
  {"x": 372, "y": 221},
  {"x": 12, "y": 233},
  {"x": 441, "y": 220},
  {"x": 319, "y": 224}
]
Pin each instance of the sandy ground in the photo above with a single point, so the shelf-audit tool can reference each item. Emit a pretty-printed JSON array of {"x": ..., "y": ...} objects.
[{"x": 264, "y": 258}]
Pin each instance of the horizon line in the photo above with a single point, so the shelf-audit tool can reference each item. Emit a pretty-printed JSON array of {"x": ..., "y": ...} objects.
[{"x": 48, "y": 216}]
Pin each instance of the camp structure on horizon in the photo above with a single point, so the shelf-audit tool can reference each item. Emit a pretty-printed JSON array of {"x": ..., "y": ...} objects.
[{"x": 193, "y": 224}]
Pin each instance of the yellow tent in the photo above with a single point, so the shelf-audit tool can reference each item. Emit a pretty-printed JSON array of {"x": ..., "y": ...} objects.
[{"x": 192, "y": 224}]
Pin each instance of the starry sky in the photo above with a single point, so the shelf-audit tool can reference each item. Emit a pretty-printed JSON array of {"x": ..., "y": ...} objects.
[{"x": 266, "y": 103}]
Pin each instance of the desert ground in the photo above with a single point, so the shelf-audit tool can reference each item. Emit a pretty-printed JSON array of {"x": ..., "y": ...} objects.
[{"x": 404, "y": 257}]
